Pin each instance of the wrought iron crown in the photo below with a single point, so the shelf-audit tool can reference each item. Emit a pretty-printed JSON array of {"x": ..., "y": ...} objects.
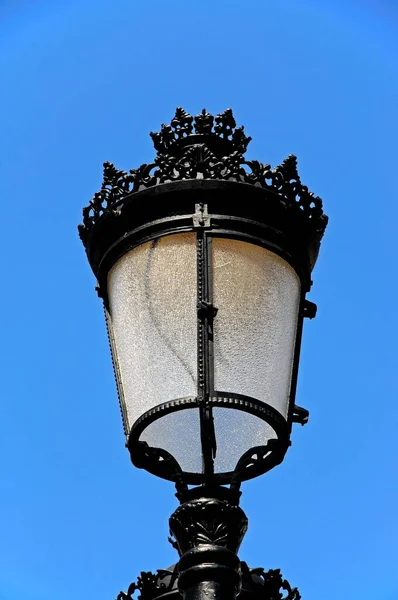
[{"x": 204, "y": 147}]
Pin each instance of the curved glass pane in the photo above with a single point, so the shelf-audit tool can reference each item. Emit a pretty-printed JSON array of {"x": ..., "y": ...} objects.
[
  {"x": 152, "y": 296},
  {"x": 236, "y": 433},
  {"x": 179, "y": 434},
  {"x": 257, "y": 294}
]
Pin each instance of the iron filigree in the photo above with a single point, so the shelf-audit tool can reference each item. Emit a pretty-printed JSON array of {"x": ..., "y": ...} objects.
[
  {"x": 150, "y": 585},
  {"x": 203, "y": 147},
  {"x": 258, "y": 583},
  {"x": 268, "y": 585}
]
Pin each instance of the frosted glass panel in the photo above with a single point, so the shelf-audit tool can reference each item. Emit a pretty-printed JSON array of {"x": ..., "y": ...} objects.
[
  {"x": 237, "y": 432},
  {"x": 179, "y": 434},
  {"x": 152, "y": 295},
  {"x": 257, "y": 295}
]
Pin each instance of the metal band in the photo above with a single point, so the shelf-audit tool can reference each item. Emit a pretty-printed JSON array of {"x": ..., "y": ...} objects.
[{"x": 267, "y": 459}]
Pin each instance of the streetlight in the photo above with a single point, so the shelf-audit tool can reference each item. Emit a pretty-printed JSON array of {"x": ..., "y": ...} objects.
[{"x": 203, "y": 260}]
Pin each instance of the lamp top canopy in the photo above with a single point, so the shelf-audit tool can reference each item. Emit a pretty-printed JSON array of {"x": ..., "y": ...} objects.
[{"x": 205, "y": 147}]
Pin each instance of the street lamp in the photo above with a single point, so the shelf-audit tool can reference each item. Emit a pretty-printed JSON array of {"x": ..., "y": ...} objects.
[{"x": 203, "y": 260}]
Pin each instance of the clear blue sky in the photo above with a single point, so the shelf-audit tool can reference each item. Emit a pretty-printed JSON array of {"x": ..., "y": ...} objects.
[{"x": 85, "y": 82}]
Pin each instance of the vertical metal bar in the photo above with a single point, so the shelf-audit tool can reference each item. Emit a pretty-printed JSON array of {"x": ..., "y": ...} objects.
[
  {"x": 205, "y": 355},
  {"x": 201, "y": 276},
  {"x": 296, "y": 359},
  {"x": 212, "y": 311}
]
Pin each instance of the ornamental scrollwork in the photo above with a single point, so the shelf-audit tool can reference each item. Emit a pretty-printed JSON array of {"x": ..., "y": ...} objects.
[
  {"x": 263, "y": 585},
  {"x": 203, "y": 147},
  {"x": 268, "y": 585},
  {"x": 150, "y": 585}
]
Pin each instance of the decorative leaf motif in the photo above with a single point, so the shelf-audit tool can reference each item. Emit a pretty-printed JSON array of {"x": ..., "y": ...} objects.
[
  {"x": 240, "y": 140},
  {"x": 211, "y": 533},
  {"x": 182, "y": 123},
  {"x": 225, "y": 124},
  {"x": 204, "y": 122},
  {"x": 208, "y": 521}
]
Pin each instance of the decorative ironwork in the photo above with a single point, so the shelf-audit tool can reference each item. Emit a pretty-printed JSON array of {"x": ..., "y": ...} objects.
[
  {"x": 207, "y": 521},
  {"x": 268, "y": 585},
  {"x": 263, "y": 585},
  {"x": 203, "y": 147},
  {"x": 163, "y": 460},
  {"x": 150, "y": 585},
  {"x": 256, "y": 458},
  {"x": 184, "y": 125}
]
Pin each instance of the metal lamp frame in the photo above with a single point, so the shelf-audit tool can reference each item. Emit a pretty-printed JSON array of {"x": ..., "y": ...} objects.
[{"x": 210, "y": 209}]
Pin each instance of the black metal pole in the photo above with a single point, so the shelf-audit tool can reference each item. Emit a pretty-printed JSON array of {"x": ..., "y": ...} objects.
[{"x": 208, "y": 528}]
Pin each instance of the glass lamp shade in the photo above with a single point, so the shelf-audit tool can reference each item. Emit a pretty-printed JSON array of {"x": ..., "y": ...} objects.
[{"x": 188, "y": 378}]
